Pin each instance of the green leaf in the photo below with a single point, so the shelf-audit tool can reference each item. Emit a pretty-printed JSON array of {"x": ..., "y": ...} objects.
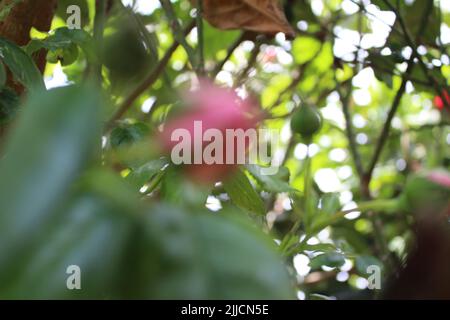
[
  {"x": 21, "y": 65},
  {"x": 217, "y": 40},
  {"x": 242, "y": 194},
  {"x": 9, "y": 103},
  {"x": 330, "y": 203},
  {"x": 89, "y": 233},
  {"x": 53, "y": 139},
  {"x": 127, "y": 134},
  {"x": 330, "y": 259},
  {"x": 144, "y": 173},
  {"x": 421, "y": 79},
  {"x": 272, "y": 183},
  {"x": 62, "y": 40},
  {"x": 383, "y": 66},
  {"x": 413, "y": 15},
  {"x": 305, "y": 48},
  {"x": 206, "y": 256}
]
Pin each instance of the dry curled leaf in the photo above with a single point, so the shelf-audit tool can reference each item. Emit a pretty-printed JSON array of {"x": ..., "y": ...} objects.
[{"x": 263, "y": 16}]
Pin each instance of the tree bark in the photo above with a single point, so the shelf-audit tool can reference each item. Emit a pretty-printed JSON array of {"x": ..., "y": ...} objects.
[{"x": 17, "y": 25}]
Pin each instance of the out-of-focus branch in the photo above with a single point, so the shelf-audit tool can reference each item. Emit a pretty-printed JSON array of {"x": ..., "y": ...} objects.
[
  {"x": 395, "y": 104},
  {"x": 200, "y": 40},
  {"x": 345, "y": 99},
  {"x": 179, "y": 35},
  {"x": 410, "y": 41},
  {"x": 230, "y": 51},
  {"x": 250, "y": 63}
]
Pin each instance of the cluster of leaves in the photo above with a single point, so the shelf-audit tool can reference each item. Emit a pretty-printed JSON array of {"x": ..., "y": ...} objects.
[{"x": 139, "y": 229}]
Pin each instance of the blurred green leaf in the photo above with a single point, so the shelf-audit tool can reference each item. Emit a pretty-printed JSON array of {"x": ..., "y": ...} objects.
[
  {"x": 62, "y": 41},
  {"x": 413, "y": 15},
  {"x": 330, "y": 203},
  {"x": 330, "y": 259},
  {"x": 144, "y": 173},
  {"x": 272, "y": 183},
  {"x": 242, "y": 193},
  {"x": 91, "y": 234},
  {"x": 51, "y": 143},
  {"x": 207, "y": 256},
  {"x": 9, "y": 104},
  {"x": 126, "y": 134},
  {"x": 21, "y": 65},
  {"x": 305, "y": 48}
]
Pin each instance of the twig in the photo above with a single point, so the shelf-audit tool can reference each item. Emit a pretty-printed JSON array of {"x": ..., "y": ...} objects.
[
  {"x": 180, "y": 37},
  {"x": 250, "y": 64},
  {"x": 350, "y": 133},
  {"x": 387, "y": 125},
  {"x": 297, "y": 79},
  {"x": 413, "y": 45},
  {"x": 385, "y": 132},
  {"x": 153, "y": 76},
  {"x": 230, "y": 52},
  {"x": 200, "y": 48}
]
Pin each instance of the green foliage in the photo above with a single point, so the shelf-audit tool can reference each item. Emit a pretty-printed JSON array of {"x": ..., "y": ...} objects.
[
  {"x": 9, "y": 103},
  {"x": 243, "y": 194},
  {"x": 83, "y": 179},
  {"x": 63, "y": 44},
  {"x": 21, "y": 65}
]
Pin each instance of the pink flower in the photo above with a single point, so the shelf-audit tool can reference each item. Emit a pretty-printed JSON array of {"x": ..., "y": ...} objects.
[
  {"x": 215, "y": 108},
  {"x": 439, "y": 177}
]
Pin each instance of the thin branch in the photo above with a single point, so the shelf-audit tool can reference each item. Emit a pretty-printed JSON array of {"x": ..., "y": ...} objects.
[
  {"x": 250, "y": 64},
  {"x": 387, "y": 125},
  {"x": 297, "y": 79},
  {"x": 200, "y": 40},
  {"x": 230, "y": 52},
  {"x": 180, "y": 37},
  {"x": 350, "y": 133},
  {"x": 395, "y": 104},
  {"x": 428, "y": 10}
]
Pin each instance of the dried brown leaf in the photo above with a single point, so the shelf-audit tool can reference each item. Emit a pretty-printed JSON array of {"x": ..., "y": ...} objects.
[{"x": 262, "y": 16}]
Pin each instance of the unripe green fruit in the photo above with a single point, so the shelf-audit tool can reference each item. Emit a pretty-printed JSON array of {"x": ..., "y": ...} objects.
[
  {"x": 66, "y": 56},
  {"x": 306, "y": 121},
  {"x": 53, "y": 56},
  {"x": 70, "y": 55},
  {"x": 124, "y": 54}
]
